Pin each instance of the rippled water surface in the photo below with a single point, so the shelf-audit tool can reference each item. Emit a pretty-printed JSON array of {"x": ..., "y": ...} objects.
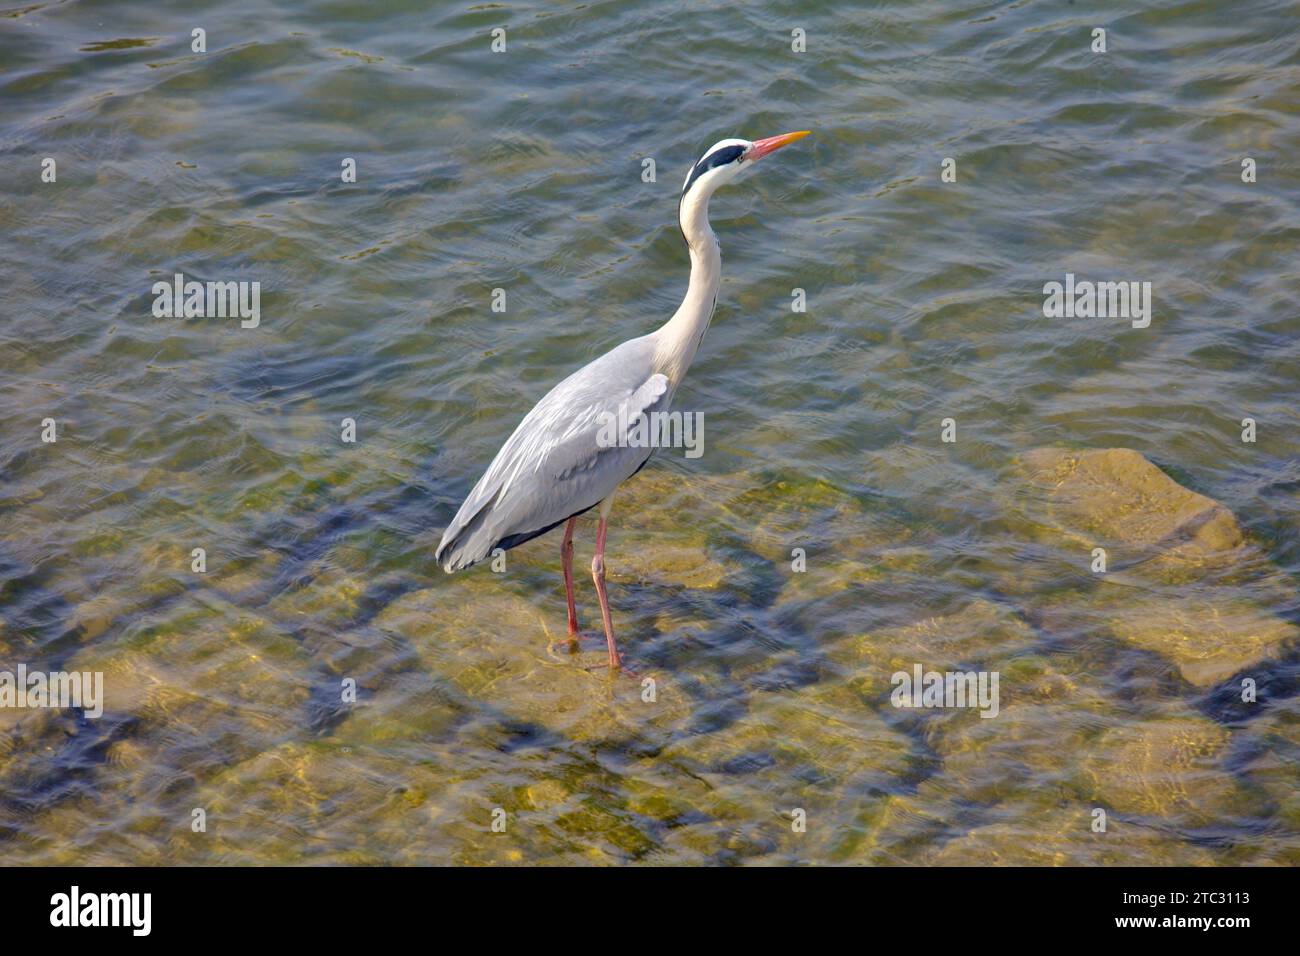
[{"x": 523, "y": 171}]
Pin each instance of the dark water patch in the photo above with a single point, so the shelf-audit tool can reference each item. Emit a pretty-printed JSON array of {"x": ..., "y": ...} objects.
[
  {"x": 1066, "y": 161},
  {"x": 791, "y": 675},
  {"x": 517, "y": 736},
  {"x": 32, "y": 607},
  {"x": 717, "y": 714},
  {"x": 126, "y": 43},
  {"x": 745, "y": 763},
  {"x": 73, "y": 750},
  {"x": 1274, "y": 682},
  {"x": 287, "y": 379}
]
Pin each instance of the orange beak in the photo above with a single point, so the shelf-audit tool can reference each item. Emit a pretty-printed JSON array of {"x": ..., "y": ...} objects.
[{"x": 762, "y": 147}]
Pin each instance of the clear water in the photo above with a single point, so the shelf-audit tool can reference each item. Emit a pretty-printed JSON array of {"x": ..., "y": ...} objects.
[{"x": 522, "y": 171}]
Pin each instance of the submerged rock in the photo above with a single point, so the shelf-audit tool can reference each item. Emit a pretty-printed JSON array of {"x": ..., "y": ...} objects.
[
  {"x": 797, "y": 510},
  {"x": 980, "y": 631},
  {"x": 1205, "y": 637},
  {"x": 310, "y": 802},
  {"x": 766, "y": 515},
  {"x": 1049, "y": 710},
  {"x": 513, "y": 671},
  {"x": 661, "y": 534},
  {"x": 1208, "y": 640},
  {"x": 661, "y": 561},
  {"x": 323, "y": 593},
  {"x": 407, "y": 709},
  {"x": 892, "y": 829},
  {"x": 1062, "y": 835},
  {"x": 203, "y": 686},
  {"x": 1030, "y": 751},
  {"x": 1159, "y": 537},
  {"x": 811, "y": 749},
  {"x": 1270, "y": 759},
  {"x": 1119, "y": 499},
  {"x": 1168, "y": 768}
]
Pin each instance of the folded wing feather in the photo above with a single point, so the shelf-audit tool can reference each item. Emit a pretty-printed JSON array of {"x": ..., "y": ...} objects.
[{"x": 555, "y": 465}]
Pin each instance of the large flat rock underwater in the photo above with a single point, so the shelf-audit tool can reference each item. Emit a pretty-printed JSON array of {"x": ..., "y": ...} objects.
[{"x": 1181, "y": 580}]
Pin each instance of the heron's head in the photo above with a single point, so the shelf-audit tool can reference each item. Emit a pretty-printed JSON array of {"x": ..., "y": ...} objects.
[{"x": 728, "y": 158}]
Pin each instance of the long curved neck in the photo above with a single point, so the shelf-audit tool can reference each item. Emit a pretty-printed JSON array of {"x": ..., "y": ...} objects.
[{"x": 680, "y": 336}]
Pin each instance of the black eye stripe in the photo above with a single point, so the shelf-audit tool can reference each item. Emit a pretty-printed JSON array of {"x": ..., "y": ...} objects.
[
  {"x": 723, "y": 156},
  {"x": 719, "y": 157}
]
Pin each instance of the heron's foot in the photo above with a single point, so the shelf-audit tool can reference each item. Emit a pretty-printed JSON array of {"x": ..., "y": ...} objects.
[
  {"x": 620, "y": 668},
  {"x": 560, "y": 648},
  {"x": 579, "y": 642}
]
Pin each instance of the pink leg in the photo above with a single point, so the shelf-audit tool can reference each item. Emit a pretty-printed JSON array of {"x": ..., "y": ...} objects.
[
  {"x": 566, "y": 559},
  {"x": 598, "y": 575}
]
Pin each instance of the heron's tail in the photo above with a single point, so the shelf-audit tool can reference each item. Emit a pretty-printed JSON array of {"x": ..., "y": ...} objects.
[
  {"x": 466, "y": 541},
  {"x": 473, "y": 536}
]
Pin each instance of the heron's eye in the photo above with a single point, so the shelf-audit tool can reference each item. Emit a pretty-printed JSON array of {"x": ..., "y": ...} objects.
[
  {"x": 721, "y": 157},
  {"x": 727, "y": 155}
]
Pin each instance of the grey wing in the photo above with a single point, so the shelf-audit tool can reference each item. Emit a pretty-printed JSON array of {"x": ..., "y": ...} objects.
[{"x": 561, "y": 460}]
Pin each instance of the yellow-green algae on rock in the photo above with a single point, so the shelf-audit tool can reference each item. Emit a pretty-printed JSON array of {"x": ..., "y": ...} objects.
[
  {"x": 498, "y": 650},
  {"x": 891, "y": 830},
  {"x": 1122, "y": 500},
  {"x": 210, "y": 649},
  {"x": 1047, "y": 719},
  {"x": 1204, "y": 637},
  {"x": 1169, "y": 768},
  {"x": 658, "y": 537},
  {"x": 979, "y": 631},
  {"x": 1061, "y": 835},
  {"x": 660, "y": 532},
  {"x": 808, "y": 749},
  {"x": 1175, "y": 559},
  {"x": 323, "y": 594},
  {"x": 1270, "y": 749},
  {"x": 1209, "y": 640},
  {"x": 307, "y": 802}
]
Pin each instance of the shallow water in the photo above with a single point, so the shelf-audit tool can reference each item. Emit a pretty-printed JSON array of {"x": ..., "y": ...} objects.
[{"x": 522, "y": 171}]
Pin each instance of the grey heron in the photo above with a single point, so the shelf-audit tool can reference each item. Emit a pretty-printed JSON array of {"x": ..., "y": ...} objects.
[{"x": 560, "y": 462}]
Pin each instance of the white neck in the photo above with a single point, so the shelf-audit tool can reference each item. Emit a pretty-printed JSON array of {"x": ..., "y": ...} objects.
[{"x": 680, "y": 336}]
